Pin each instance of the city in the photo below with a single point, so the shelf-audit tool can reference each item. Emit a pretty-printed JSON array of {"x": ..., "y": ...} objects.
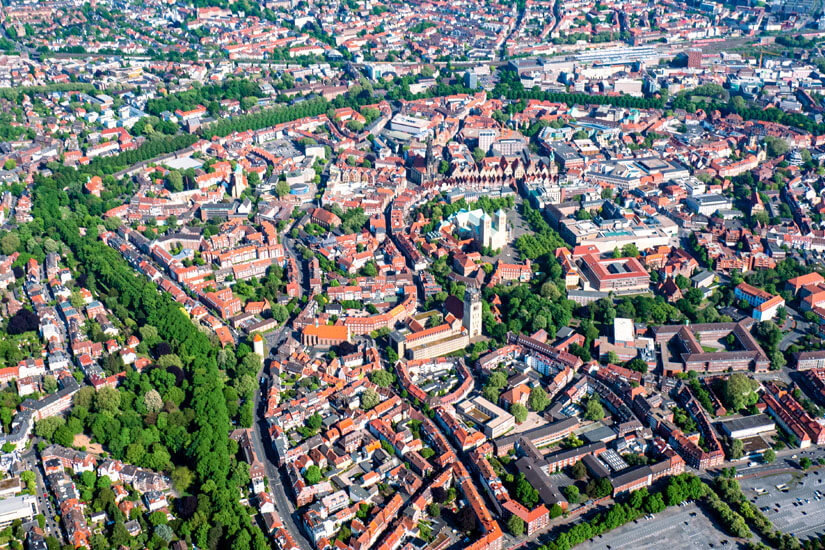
[{"x": 322, "y": 275}]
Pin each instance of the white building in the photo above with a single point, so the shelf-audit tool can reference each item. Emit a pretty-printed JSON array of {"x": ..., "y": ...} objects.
[
  {"x": 23, "y": 508},
  {"x": 488, "y": 231}
]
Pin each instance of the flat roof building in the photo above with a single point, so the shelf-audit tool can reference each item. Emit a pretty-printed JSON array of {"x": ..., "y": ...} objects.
[{"x": 23, "y": 507}]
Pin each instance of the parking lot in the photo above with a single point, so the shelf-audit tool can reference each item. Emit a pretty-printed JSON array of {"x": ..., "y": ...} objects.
[
  {"x": 798, "y": 510},
  {"x": 680, "y": 527}
]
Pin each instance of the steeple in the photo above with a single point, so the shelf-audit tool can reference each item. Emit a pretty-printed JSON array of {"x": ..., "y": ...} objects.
[{"x": 430, "y": 160}]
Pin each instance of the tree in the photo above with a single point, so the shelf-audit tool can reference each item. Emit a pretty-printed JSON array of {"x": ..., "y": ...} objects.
[
  {"x": 312, "y": 475},
  {"x": 434, "y": 509},
  {"x": 637, "y": 364},
  {"x": 579, "y": 470},
  {"x": 9, "y": 243},
  {"x": 515, "y": 525},
  {"x": 282, "y": 188},
  {"x": 776, "y": 146},
  {"x": 736, "y": 449},
  {"x": 64, "y": 436},
  {"x": 571, "y": 493},
  {"x": 315, "y": 422},
  {"x": 768, "y": 456},
  {"x": 10, "y": 164},
  {"x": 519, "y": 411},
  {"x": 165, "y": 532},
  {"x": 382, "y": 378},
  {"x": 45, "y": 428},
  {"x": 182, "y": 478},
  {"x": 593, "y": 409},
  {"x": 49, "y": 384},
  {"x": 23, "y": 321},
  {"x": 153, "y": 401},
  {"x": 599, "y": 488},
  {"x": 740, "y": 391},
  {"x": 108, "y": 400},
  {"x": 525, "y": 493},
  {"x": 369, "y": 399},
  {"x": 174, "y": 180},
  {"x": 630, "y": 250},
  {"x": 478, "y": 155},
  {"x": 538, "y": 400},
  {"x": 805, "y": 462}
]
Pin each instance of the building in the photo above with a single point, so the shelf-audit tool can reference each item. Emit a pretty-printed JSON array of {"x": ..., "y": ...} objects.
[
  {"x": 324, "y": 335},
  {"x": 472, "y": 312},
  {"x": 708, "y": 204},
  {"x": 620, "y": 275},
  {"x": 748, "y": 426},
  {"x": 694, "y": 58},
  {"x": 487, "y": 231},
  {"x": 764, "y": 304},
  {"x": 493, "y": 420},
  {"x": 683, "y": 348},
  {"x": 540, "y": 437},
  {"x": 806, "y": 360},
  {"x": 23, "y": 507},
  {"x": 535, "y": 520}
]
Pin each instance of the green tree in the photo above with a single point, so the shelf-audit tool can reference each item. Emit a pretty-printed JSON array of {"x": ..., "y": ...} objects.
[
  {"x": 174, "y": 180},
  {"x": 515, "y": 525},
  {"x": 571, "y": 493},
  {"x": 45, "y": 428},
  {"x": 282, "y": 188},
  {"x": 740, "y": 391},
  {"x": 768, "y": 456},
  {"x": 776, "y": 146},
  {"x": 579, "y": 470},
  {"x": 519, "y": 411},
  {"x": 630, "y": 250},
  {"x": 382, "y": 378},
  {"x": 9, "y": 243},
  {"x": 369, "y": 399},
  {"x": 312, "y": 475},
  {"x": 538, "y": 400},
  {"x": 593, "y": 409},
  {"x": 182, "y": 478},
  {"x": 525, "y": 493},
  {"x": 736, "y": 449}
]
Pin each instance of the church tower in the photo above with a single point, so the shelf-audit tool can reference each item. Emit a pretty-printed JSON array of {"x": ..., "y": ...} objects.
[
  {"x": 432, "y": 167},
  {"x": 472, "y": 312}
]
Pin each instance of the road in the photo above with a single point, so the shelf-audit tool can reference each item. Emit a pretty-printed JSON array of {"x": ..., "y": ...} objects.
[
  {"x": 278, "y": 484},
  {"x": 31, "y": 462}
]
